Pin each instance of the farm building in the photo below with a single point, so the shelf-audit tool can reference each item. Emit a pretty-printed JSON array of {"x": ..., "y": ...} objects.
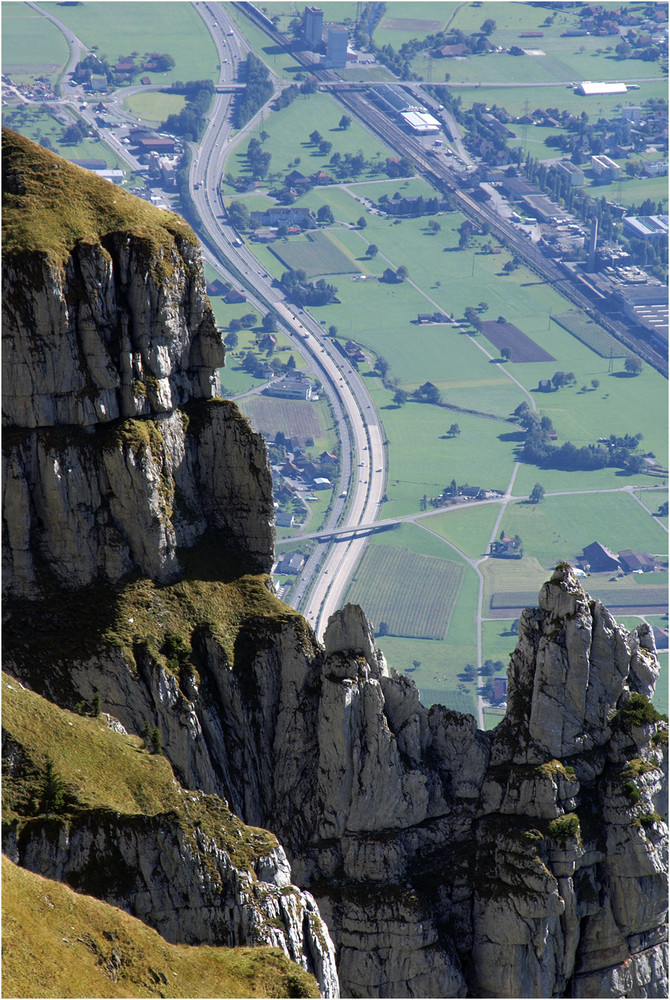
[
  {"x": 633, "y": 562},
  {"x": 500, "y": 687},
  {"x": 597, "y": 558},
  {"x": 277, "y": 215},
  {"x": 290, "y": 563},
  {"x": 590, "y": 89},
  {"x": 284, "y": 519},
  {"x": 321, "y": 483},
  {"x": 451, "y": 51}
]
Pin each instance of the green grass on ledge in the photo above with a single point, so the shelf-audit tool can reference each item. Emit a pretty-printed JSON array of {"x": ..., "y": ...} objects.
[
  {"x": 58, "y": 943},
  {"x": 49, "y": 205}
]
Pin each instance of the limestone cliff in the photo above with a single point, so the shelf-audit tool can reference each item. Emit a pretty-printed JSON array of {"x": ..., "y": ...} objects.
[
  {"x": 529, "y": 861},
  {"x": 116, "y": 454}
]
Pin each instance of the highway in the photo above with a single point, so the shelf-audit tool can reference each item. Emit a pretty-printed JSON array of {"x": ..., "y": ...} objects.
[{"x": 362, "y": 457}]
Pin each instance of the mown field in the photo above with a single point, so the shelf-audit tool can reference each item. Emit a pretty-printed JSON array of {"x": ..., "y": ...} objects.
[
  {"x": 153, "y": 106},
  {"x": 31, "y": 45},
  {"x": 406, "y": 594},
  {"x": 117, "y": 30}
]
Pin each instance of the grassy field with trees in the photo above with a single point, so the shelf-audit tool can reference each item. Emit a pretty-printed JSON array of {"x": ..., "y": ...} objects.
[{"x": 183, "y": 35}]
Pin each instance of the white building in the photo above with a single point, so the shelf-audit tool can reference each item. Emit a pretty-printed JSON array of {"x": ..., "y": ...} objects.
[
  {"x": 573, "y": 172},
  {"x": 604, "y": 167},
  {"x": 421, "y": 121},
  {"x": 589, "y": 89}
]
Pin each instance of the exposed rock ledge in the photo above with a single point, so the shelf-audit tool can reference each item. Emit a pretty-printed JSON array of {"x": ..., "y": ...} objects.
[{"x": 529, "y": 861}]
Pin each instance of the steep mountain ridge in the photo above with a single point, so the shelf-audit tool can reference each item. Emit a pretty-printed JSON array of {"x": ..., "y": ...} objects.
[{"x": 529, "y": 861}]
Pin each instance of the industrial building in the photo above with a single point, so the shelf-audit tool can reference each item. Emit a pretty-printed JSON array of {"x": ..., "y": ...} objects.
[
  {"x": 396, "y": 100},
  {"x": 646, "y": 227},
  {"x": 421, "y": 122},
  {"x": 589, "y": 89},
  {"x": 338, "y": 41},
  {"x": 313, "y": 26}
]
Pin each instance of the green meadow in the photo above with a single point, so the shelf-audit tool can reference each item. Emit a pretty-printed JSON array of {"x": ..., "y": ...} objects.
[
  {"x": 153, "y": 106},
  {"x": 31, "y": 45},
  {"x": 115, "y": 29}
]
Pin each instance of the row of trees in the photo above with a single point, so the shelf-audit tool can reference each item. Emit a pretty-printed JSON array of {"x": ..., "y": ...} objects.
[
  {"x": 257, "y": 91},
  {"x": 191, "y": 121}
]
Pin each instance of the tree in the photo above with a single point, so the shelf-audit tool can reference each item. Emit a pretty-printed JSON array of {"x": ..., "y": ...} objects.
[
  {"x": 249, "y": 320},
  {"x": 454, "y": 430},
  {"x": 488, "y": 27},
  {"x": 382, "y": 366},
  {"x": 325, "y": 147},
  {"x": 146, "y": 735},
  {"x": 372, "y": 250},
  {"x": 633, "y": 365},
  {"x": 325, "y": 214},
  {"x": 434, "y": 226},
  {"x": 400, "y": 397},
  {"x": 238, "y": 214},
  {"x": 315, "y": 137},
  {"x": 345, "y": 122},
  {"x": 595, "y": 383},
  {"x": 231, "y": 340},
  {"x": 537, "y": 493},
  {"x": 506, "y": 353},
  {"x": 332, "y": 331},
  {"x": 472, "y": 318},
  {"x": 269, "y": 322},
  {"x": 483, "y": 306},
  {"x": 156, "y": 741},
  {"x": 97, "y": 703},
  {"x": 52, "y": 797},
  {"x": 401, "y": 273},
  {"x": 362, "y": 222},
  {"x": 235, "y": 325},
  {"x": 291, "y": 362}
]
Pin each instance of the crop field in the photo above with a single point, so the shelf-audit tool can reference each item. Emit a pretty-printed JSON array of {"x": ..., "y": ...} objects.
[
  {"x": 316, "y": 253},
  {"x": 293, "y": 417},
  {"x": 523, "y": 349},
  {"x": 590, "y": 333},
  {"x": 412, "y": 595},
  {"x": 31, "y": 45},
  {"x": 182, "y": 34},
  {"x": 643, "y": 599}
]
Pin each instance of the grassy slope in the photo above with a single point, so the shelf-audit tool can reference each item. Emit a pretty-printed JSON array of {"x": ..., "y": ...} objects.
[
  {"x": 63, "y": 204},
  {"x": 106, "y": 771},
  {"x": 57, "y": 943}
]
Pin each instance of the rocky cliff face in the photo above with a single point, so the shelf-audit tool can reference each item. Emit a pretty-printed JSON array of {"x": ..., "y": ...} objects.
[
  {"x": 116, "y": 457},
  {"x": 530, "y": 861}
]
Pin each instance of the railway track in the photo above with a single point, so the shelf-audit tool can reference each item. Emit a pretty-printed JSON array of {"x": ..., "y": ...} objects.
[{"x": 442, "y": 177}]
